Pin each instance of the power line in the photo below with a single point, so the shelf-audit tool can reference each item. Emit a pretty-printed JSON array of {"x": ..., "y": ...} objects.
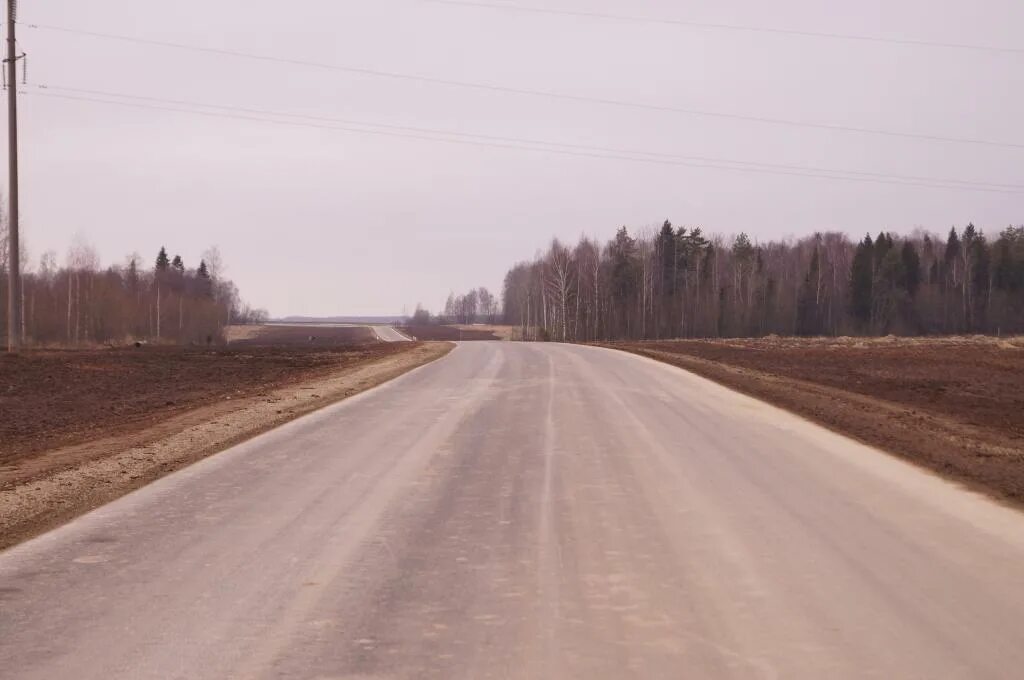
[
  {"x": 521, "y": 140},
  {"x": 739, "y": 166},
  {"x": 528, "y": 92},
  {"x": 727, "y": 27}
]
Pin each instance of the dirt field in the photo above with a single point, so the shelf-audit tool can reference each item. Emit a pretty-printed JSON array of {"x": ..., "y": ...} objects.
[
  {"x": 305, "y": 336},
  {"x": 57, "y": 398},
  {"x": 500, "y": 331},
  {"x": 81, "y": 427},
  {"x": 451, "y": 333},
  {"x": 955, "y": 405}
]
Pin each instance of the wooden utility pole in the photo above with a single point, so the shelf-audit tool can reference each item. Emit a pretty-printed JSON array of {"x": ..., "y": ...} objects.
[{"x": 14, "y": 302}]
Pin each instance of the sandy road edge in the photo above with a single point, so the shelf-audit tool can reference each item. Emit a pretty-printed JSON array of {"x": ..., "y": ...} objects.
[
  {"x": 953, "y": 450},
  {"x": 34, "y": 507}
]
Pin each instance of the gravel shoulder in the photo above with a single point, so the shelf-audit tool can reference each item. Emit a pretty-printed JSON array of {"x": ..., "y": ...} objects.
[
  {"x": 46, "y": 489},
  {"x": 952, "y": 405}
]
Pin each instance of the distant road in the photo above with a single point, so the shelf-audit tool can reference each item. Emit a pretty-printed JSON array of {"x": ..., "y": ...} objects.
[
  {"x": 529, "y": 511},
  {"x": 389, "y": 334}
]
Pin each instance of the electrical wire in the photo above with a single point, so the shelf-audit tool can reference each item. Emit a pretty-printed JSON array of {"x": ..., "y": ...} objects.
[
  {"x": 738, "y": 166},
  {"x": 518, "y": 140},
  {"x": 514, "y": 7},
  {"x": 561, "y": 96}
]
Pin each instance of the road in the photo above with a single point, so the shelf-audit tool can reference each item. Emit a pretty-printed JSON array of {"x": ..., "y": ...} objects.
[
  {"x": 389, "y": 334},
  {"x": 529, "y": 511}
]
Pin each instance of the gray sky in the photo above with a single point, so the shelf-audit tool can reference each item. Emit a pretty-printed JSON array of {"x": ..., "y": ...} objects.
[{"x": 315, "y": 221}]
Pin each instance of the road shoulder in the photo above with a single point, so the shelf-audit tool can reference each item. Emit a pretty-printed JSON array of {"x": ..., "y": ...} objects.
[
  {"x": 117, "y": 465},
  {"x": 978, "y": 457}
]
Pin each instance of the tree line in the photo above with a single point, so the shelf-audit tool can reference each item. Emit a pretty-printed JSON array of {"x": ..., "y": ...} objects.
[
  {"x": 82, "y": 303},
  {"x": 678, "y": 282},
  {"x": 477, "y": 306}
]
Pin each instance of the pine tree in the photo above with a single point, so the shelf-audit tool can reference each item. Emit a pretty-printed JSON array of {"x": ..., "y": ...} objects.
[
  {"x": 178, "y": 264},
  {"x": 162, "y": 261},
  {"x": 203, "y": 272}
]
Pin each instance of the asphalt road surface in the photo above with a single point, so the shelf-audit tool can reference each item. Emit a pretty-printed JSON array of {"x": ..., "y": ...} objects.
[
  {"x": 529, "y": 511},
  {"x": 389, "y": 334}
]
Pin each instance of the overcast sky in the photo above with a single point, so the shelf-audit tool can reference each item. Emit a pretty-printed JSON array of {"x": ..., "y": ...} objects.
[{"x": 318, "y": 221}]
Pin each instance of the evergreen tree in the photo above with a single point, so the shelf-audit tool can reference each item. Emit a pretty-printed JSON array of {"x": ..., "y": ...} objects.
[
  {"x": 861, "y": 281},
  {"x": 889, "y": 294},
  {"x": 980, "y": 278},
  {"x": 162, "y": 261},
  {"x": 807, "y": 315},
  {"x": 667, "y": 250},
  {"x": 970, "y": 233},
  {"x": 623, "y": 252},
  {"x": 1009, "y": 260},
  {"x": 203, "y": 272},
  {"x": 883, "y": 244},
  {"x": 952, "y": 250},
  {"x": 624, "y": 266},
  {"x": 694, "y": 241},
  {"x": 691, "y": 245},
  {"x": 178, "y": 264},
  {"x": 707, "y": 263},
  {"x": 133, "y": 275},
  {"x": 911, "y": 268},
  {"x": 743, "y": 249}
]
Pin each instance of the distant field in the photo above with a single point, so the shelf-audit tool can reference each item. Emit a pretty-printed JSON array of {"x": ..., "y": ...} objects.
[
  {"x": 432, "y": 332},
  {"x": 299, "y": 335},
  {"x": 955, "y": 405}
]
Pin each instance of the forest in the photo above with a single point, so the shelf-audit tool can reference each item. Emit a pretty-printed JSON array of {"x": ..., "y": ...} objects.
[
  {"x": 81, "y": 303},
  {"x": 678, "y": 282}
]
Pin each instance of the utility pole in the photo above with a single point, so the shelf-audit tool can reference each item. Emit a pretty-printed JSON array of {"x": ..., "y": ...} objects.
[{"x": 14, "y": 315}]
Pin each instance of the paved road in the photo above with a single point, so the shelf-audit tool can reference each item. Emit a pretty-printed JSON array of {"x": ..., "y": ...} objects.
[
  {"x": 389, "y": 334},
  {"x": 534, "y": 512}
]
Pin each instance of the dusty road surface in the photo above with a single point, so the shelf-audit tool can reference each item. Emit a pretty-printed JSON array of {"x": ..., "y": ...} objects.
[{"x": 529, "y": 511}]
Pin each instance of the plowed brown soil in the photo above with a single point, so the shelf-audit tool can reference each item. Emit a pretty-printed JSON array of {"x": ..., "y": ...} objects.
[
  {"x": 954, "y": 405},
  {"x": 52, "y": 399},
  {"x": 300, "y": 335}
]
